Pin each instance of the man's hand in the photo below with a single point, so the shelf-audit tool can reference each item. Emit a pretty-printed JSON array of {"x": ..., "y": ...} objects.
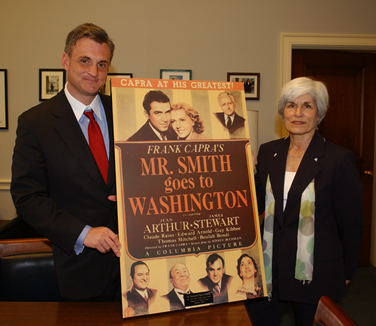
[
  {"x": 103, "y": 239},
  {"x": 347, "y": 282},
  {"x": 112, "y": 198}
]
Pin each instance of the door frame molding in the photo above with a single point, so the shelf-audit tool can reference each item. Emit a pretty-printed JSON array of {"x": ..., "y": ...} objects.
[{"x": 290, "y": 41}]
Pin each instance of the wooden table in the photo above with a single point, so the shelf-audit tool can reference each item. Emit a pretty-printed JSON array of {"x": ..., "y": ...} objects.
[{"x": 109, "y": 313}]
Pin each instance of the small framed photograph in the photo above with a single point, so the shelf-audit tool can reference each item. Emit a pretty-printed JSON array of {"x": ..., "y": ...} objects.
[
  {"x": 106, "y": 89},
  {"x": 176, "y": 74},
  {"x": 251, "y": 83},
  {"x": 51, "y": 82},
  {"x": 3, "y": 99}
]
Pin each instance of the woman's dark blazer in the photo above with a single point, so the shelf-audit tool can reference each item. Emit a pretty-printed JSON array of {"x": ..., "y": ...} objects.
[{"x": 338, "y": 217}]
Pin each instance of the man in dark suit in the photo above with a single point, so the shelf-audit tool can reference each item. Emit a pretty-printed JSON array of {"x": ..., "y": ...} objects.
[
  {"x": 140, "y": 297},
  {"x": 157, "y": 110},
  {"x": 179, "y": 277},
  {"x": 229, "y": 118},
  {"x": 57, "y": 185},
  {"x": 249, "y": 85},
  {"x": 217, "y": 281}
]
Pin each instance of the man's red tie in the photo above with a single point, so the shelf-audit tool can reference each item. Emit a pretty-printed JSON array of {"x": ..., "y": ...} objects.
[{"x": 96, "y": 144}]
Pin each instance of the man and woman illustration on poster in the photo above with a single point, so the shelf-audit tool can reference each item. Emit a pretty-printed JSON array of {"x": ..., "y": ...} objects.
[
  {"x": 180, "y": 121},
  {"x": 217, "y": 282}
]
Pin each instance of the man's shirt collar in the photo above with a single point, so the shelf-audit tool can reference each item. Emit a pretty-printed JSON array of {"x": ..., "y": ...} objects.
[
  {"x": 143, "y": 293},
  {"x": 79, "y": 108},
  {"x": 231, "y": 117},
  {"x": 157, "y": 132}
]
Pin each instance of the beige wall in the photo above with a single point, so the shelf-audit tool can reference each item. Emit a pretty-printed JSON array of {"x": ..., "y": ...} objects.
[{"x": 210, "y": 37}]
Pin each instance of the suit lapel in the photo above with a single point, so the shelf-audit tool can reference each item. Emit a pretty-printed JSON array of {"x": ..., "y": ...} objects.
[
  {"x": 150, "y": 132},
  {"x": 222, "y": 119},
  {"x": 71, "y": 133},
  {"x": 308, "y": 169},
  {"x": 106, "y": 101},
  {"x": 277, "y": 168}
]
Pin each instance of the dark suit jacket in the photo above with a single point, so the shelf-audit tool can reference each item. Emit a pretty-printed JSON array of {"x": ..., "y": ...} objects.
[
  {"x": 138, "y": 303},
  {"x": 207, "y": 284},
  {"x": 237, "y": 123},
  {"x": 57, "y": 188},
  {"x": 175, "y": 303},
  {"x": 338, "y": 217},
  {"x": 146, "y": 133}
]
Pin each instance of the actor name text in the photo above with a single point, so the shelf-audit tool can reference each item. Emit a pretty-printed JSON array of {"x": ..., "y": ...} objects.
[{"x": 197, "y": 224}]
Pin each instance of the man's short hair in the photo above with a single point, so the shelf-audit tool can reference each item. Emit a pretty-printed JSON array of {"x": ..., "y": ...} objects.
[
  {"x": 154, "y": 96},
  {"x": 90, "y": 31},
  {"x": 134, "y": 266},
  {"x": 227, "y": 94},
  {"x": 212, "y": 258}
]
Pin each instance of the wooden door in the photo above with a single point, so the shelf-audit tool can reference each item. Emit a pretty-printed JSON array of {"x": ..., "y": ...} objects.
[{"x": 351, "y": 82}]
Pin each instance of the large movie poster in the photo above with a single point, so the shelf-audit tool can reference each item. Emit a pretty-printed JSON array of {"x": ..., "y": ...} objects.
[{"x": 187, "y": 211}]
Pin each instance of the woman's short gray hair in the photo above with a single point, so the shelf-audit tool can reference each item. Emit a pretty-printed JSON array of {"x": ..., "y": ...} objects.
[{"x": 301, "y": 86}]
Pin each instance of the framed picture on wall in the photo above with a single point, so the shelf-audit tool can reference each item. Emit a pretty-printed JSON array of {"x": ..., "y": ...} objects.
[
  {"x": 3, "y": 99},
  {"x": 106, "y": 89},
  {"x": 51, "y": 82},
  {"x": 251, "y": 81},
  {"x": 176, "y": 74}
]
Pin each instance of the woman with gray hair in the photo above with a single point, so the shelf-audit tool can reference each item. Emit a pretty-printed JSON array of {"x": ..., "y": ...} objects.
[{"x": 311, "y": 195}]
